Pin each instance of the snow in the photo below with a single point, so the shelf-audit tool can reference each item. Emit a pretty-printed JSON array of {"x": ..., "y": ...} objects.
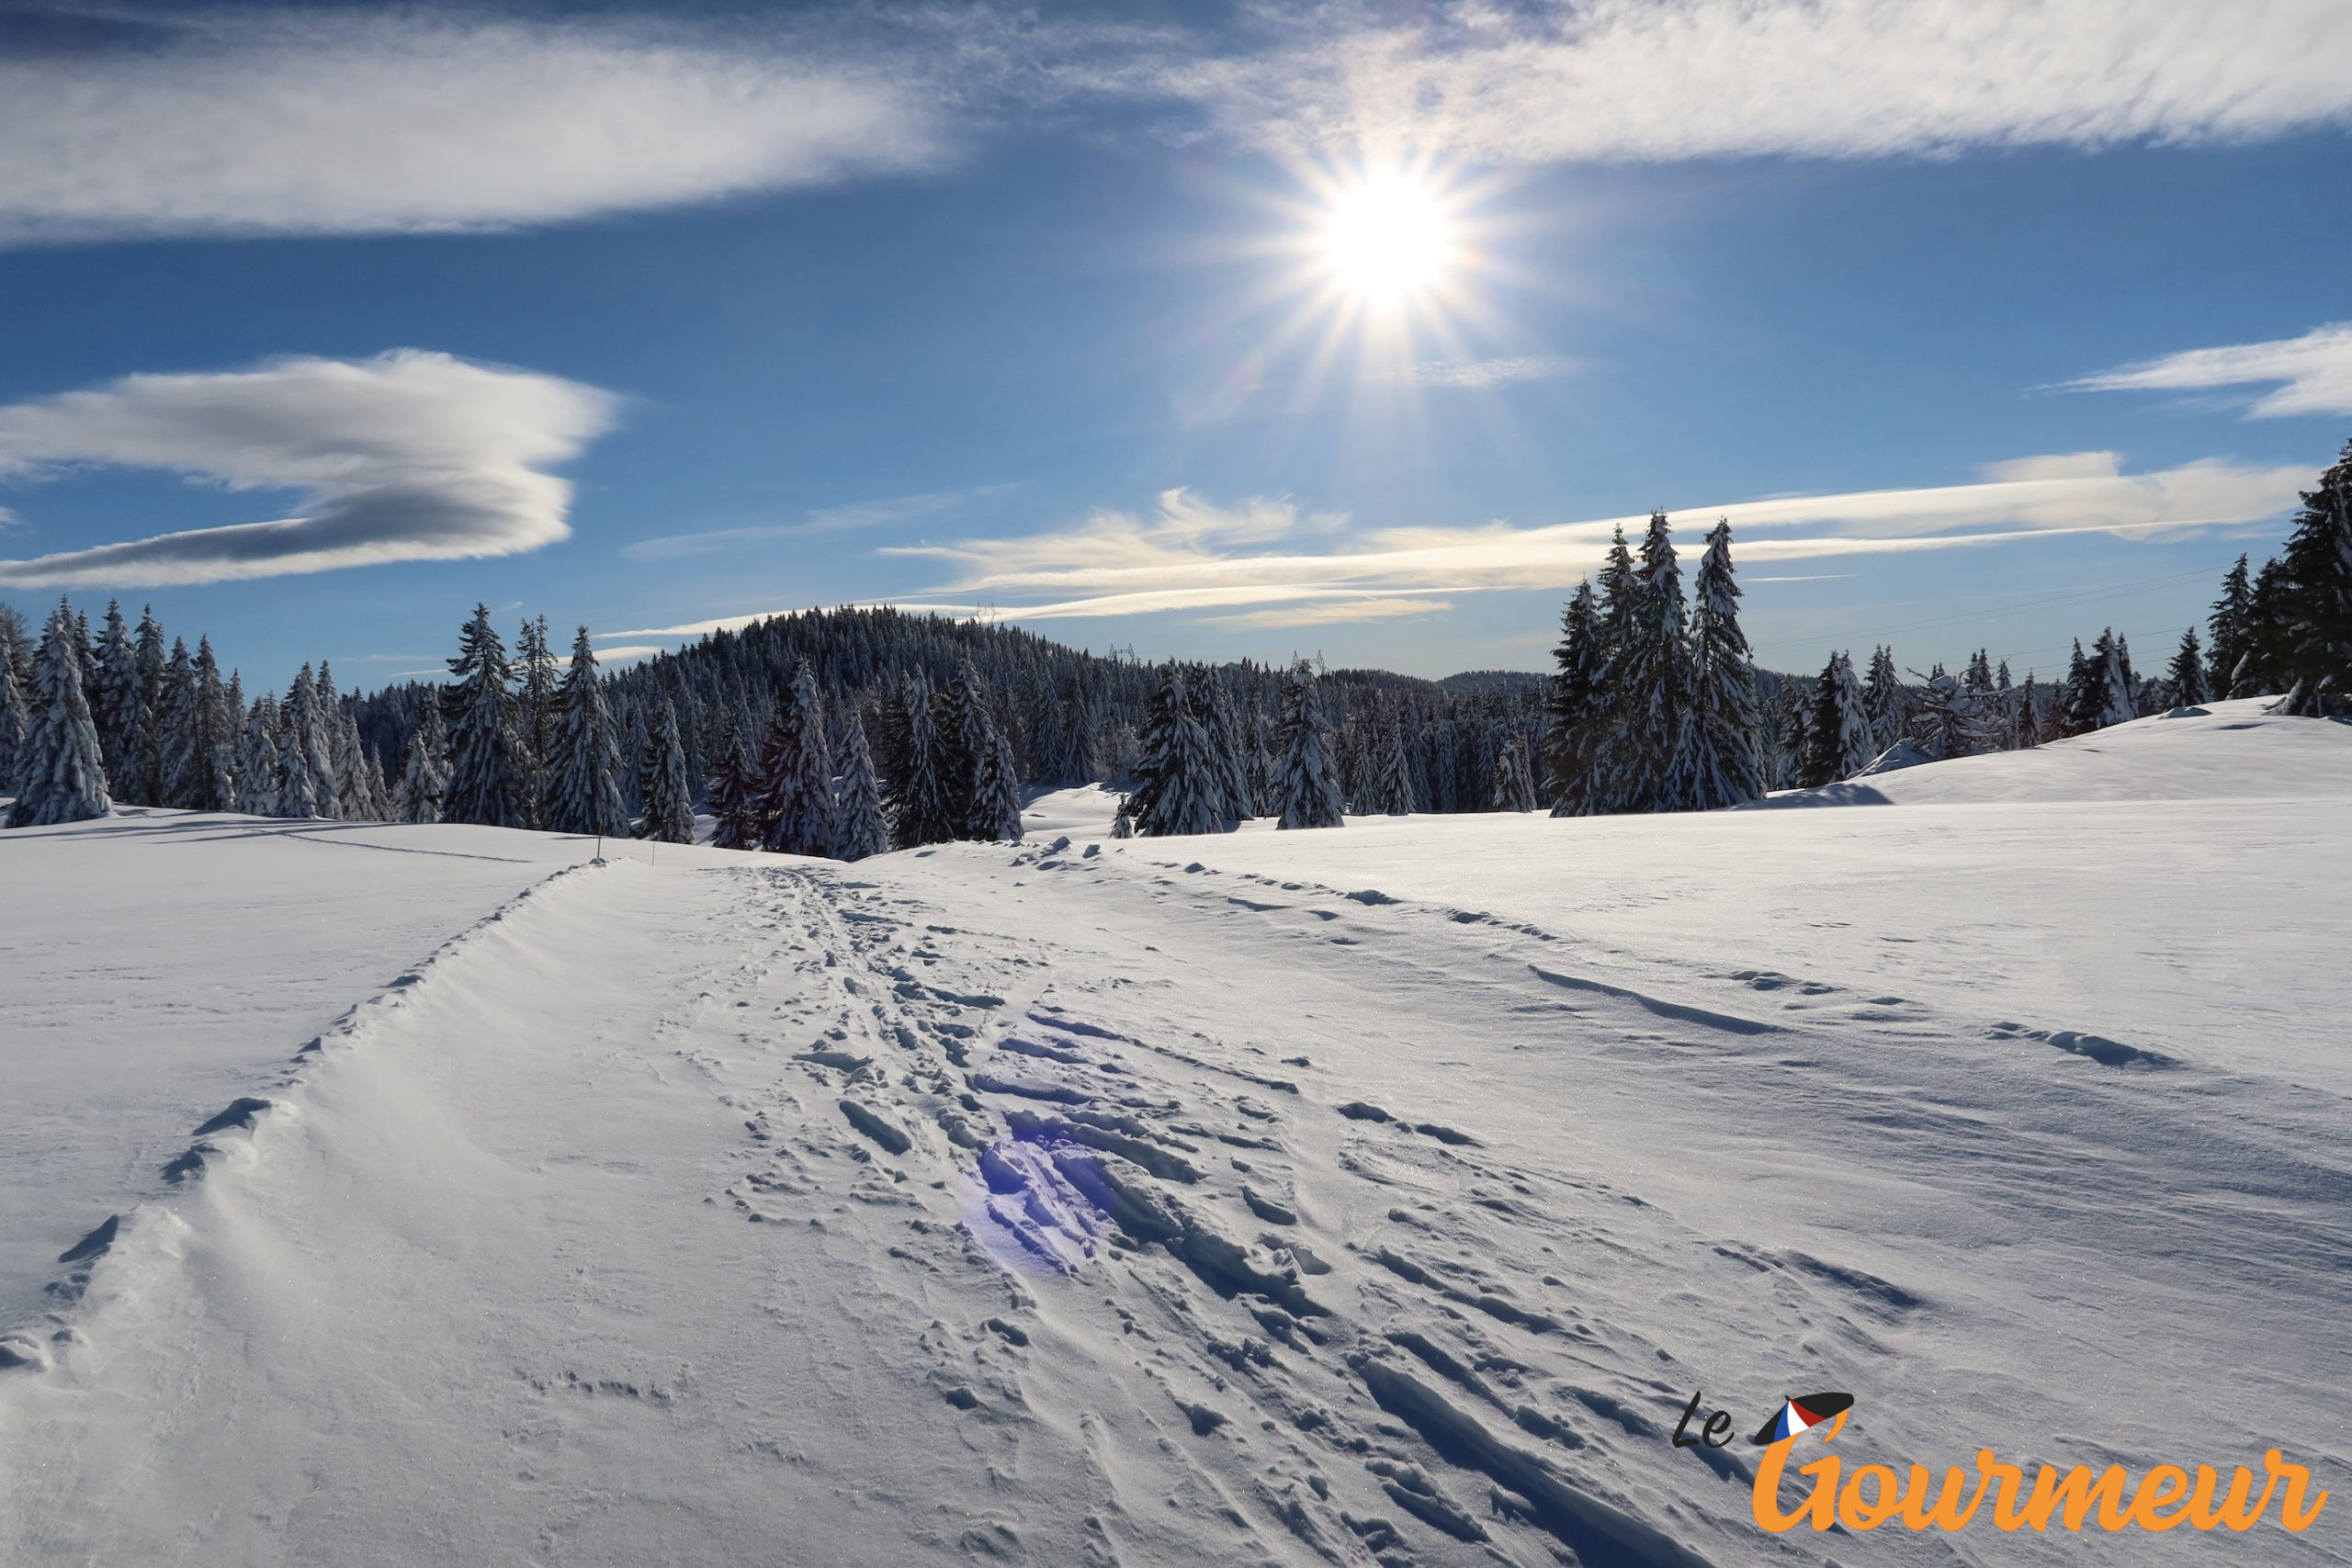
[{"x": 1265, "y": 1197}]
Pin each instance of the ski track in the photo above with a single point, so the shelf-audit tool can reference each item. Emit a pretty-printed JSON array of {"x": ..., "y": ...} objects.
[{"x": 1031, "y": 1258}]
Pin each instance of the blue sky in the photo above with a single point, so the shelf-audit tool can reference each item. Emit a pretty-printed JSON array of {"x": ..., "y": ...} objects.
[{"x": 1988, "y": 324}]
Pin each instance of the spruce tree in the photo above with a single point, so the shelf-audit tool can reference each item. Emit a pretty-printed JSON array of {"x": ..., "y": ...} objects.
[
  {"x": 2111, "y": 670},
  {"x": 1837, "y": 736},
  {"x": 1177, "y": 789},
  {"x": 116, "y": 703},
  {"x": 1392, "y": 791},
  {"x": 16, "y": 719},
  {"x": 1576, "y": 706},
  {"x": 1514, "y": 784},
  {"x": 995, "y": 811},
  {"x": 796, "y": 773},
  {"x": 860, "y": 827},
  {"x": 536, "y": 711},
  {"x": 669, "y": 806},
  {"x": 1229, "y": 753},
  {"x": 921, "y": 808},
  {"x": 152, "y": 660},
  {"x": 1653, "y": 685},
  {"x": 735, "y": 796},
  {"x": 308, "y": 779},
  {"x": 584, "y": 796},
  {"x": 485, "y": 772},
  {"x": 60, "y": 768},
  {"x": 260, "y": 777},
  {"x": 1885, "y": 701},
  {"x": 979, "y": 765},
  {"x": 425, "y": 776},
  {"x": 2187, "y": 673},
  {"x": 2317, "y": 561},
  {"x": 1727, "y": 767},
  {"x": 177, "y": 723},
  {"x": 216, "y": 735},
  {"x": 1308, "y": 793},
  {"x": 2231, "y": 625}
]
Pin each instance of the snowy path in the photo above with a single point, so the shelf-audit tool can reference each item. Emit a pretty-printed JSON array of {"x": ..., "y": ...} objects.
[{"x": 1039, "y": 1206}]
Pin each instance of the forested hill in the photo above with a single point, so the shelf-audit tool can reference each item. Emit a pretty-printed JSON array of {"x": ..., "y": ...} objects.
[{"x": 1069, "y": 714}]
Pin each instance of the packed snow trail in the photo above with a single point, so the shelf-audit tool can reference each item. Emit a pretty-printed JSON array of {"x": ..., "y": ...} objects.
[{"x": 1053, "y": 1206}]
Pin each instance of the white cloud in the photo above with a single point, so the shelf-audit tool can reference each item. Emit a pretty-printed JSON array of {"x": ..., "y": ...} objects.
[
  {"x": 336, "y": 121},
  {"x": 825, "y": 520},
  {"x": 408, "y": 456},
  {"x": 1280, "y": 567},
  {"x": 1479, "y": 372},
  {"x": 1190, "y": 555},
  {"x": 1672, "y": 79},
  {"x": 1340, "y": 613},
  {"x": 2314, "y": 372}
]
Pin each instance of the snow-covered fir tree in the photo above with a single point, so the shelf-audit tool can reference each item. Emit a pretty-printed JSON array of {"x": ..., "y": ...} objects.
[
  {"x": 1228, "y": 749},
  {"x": 1725, "y": 766},
  {"x": 584, "y": 795},
  {"x": 1884, "y": 700},
  {"x": 117, "y": 704},
  {"x": 216, "y": 735},
  {"x": 920, "y": 809},
  {"x": 152, "y": 660},
  {"x": 796, "y": 773},
  {"x": 2232, "y": 621},
  {"x": 424, "y": 773},
  {"x": 485, "y": 767},
  {"x": 1178, "y": 790},
  {"x": 1260, "y": 769},
  {"x": 177, "y": 723},
  {"x": 1393, "y": 789},
  {"x": 59, "y": 767},
  {"x": 537, "y": 708},
  {"x": 2317, "y": 559},
  {"x": 978, "y": 763},
  {"x": 1307, "y": 791},
  {"x": 860, "y": 826},
  {"x": 995, "y": 810},
  {"x": 1576, "y": 706},
  {"x": 669, "y": 812},
  {"x": 734, "y": 796},
  {"x": 16, "y": 719},
  {"x": 1514, "y": 786},
  {"x": 1652, "y": 687},
  {"x": 260, "y": 777},
  {"x": 1837, "y": 733},
  {"x": 306, "y": 775},
  {"x": 2185, "y": 677},
  {"x": 2118, "y": 702}
]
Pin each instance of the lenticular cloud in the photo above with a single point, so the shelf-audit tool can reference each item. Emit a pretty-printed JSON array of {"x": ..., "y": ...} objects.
[{"x": 409, "y": 455}]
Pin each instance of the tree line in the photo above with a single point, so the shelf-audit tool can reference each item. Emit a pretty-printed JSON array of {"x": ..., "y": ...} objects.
[{"x": 847, "y": 731}]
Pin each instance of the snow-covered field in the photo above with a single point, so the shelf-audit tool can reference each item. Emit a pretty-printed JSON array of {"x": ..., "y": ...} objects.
[{"x": 1286, "y": 1197}]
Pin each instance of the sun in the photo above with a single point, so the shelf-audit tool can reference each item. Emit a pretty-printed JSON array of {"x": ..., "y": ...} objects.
[{"x": 1388, "y": 237}]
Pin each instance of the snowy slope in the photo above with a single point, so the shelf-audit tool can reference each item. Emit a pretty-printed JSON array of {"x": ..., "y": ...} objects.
[
  {"x": 2233, "y": 750},
  {"x": 1040, "y": 1205}
]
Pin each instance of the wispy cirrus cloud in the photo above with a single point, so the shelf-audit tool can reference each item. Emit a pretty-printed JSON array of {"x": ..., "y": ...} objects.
[
  {"x": 1188, "y": 554},
  {"x": 394, "y": 121},
  {"x": 862, "y": 514},
  {"x": 1504, "y": 371},
  {"x": 408, "y": 456},
  {"x": 1264, "y": 562},
  {"x": 1609, "y": 80},
  {"x": 2313, "y": 374}
]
